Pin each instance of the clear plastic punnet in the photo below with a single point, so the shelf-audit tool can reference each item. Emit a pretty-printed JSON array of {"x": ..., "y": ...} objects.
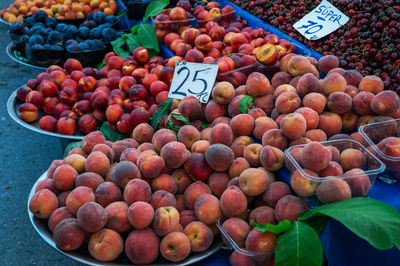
[
  {"x": 383, "y": 137},
  {"x": 326, "y": 186},
  {"x": 164, "y": 23}
]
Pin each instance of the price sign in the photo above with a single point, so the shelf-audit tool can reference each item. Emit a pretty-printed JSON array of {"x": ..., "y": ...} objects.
[
  {"x": 193, "y": 79},
  {"x": 321, "y": 21}
]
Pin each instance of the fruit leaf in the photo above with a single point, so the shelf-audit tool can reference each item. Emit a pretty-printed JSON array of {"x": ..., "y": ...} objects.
[
  {"x": 154, "y": 8},
  {"x": 163, "y": 110},
  {"x": 170, "y": 125},
  {"x": 147, "y": 37},
  {"x": 283, "y": 226},
  {"x": 317, "y": 222},
  {"x": 152, "y": 53},
  {"x": 300, "y": 246},
  {"x": 134, "y": 29},
  {"x": 132, "y": 42},
  {"x": 181, "y": 117},
  {"x": 122, "y": 13},
  {"x": 120, "y": 52},
  {"x": 244, "y": 104},
  {"x": 204, "y": 125},
  {"x": 110, "y": 134},
  {"x": 118, "y": 42},
  {"x": 71, "y": 146},
  {"x": 100, "y": 65},
  {"x": 370, "y": 219}
]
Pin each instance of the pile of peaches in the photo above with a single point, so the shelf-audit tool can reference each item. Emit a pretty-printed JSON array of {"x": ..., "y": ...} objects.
[
  {"x": 61, "y": 9},
  {"x": 123, "y": 94},
  {"x": 153, "y": 196}
]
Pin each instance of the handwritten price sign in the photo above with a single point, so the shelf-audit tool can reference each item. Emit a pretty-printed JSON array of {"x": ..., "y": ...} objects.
[
  {"x": 193, "y": 79},
  {"x": 321, "y": 21}
]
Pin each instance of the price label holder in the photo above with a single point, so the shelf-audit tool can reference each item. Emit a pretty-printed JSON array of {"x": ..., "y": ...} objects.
[
  {"x": 321, "y": 21},
  {"x": 193, "y": 79}
]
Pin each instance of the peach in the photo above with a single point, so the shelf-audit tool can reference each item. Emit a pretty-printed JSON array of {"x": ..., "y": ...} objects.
[
  {"x": 218, "y": 183},
  {"x": 257, "y": 84},
  {"x": 105, "y": 245},
  {"x": 57, "y": 216},
  {"x": 200, "y": 236},
  {"x": 253, "y": 181},
  {"x": 242, "y": 124},
  {"x": 203, "y": 42},
  {"x": 315, "y": 101},
  {"x": 311, "y": 117},
  {"x": 271, "y": 158},
  {"x": 223, "y": 92},
  {"x": 68, "y": 235},
  {"x": 28, "y": 112},
  {"x": 362, "y": 102},
  {"x": 371, "y": 84},
  {"x": 129, "y": 154},
  {"x": 186, "y": 217},
  {"x": 47, "y": 184},
  {"x": 233, "y": 107},
  {"x": 162, "y": 137},
  {"x": 257, "y": 113},
  {"x": 207, "y": 209},
  {"x": 174, "y": 154},
  {"x": 91, "y": 217},
  {"x": 339, "y": 102},
  {"x": 330, "y": 123},
  {"x": 140, "y": 214},
  {"x": 175, "y": 246},
  {"x": 315, "y": 156},
  {"x": 364, "y": 119},
  {"x": 219, "y": 157},
  {"x": 190, "y": 107},
  {"x": 117, "y": 213},
  {"x": 303, "y": 185},
  {"x": 316, "y": 135},
  {"x": 298, "y": 66},
  {"x": 307, "y": 83},
  {"x": 238, "y": 166},
  {"x": 239, "y": 144},
  {"x": 107, "y": 150},
  {"x": 150, "y": 164},
  {"x": 78, "y": 197},
  {"x": 262, "y": 125},
  {"x": 359, "y": 138},
  {"x": 214, "y": 110},
  {"x": 233, "y": 201},
  {"x": 351, "y": 91},
  {"x": 275, "y": 191},
  {"x": 91, "y": 139},
  {"x": 162, "y": 198},
  {"x": 182, "y": 180},
  {"x": 352, "y": 77},
  {"x": 142, "y": 246},
  {"x": 327, "y": 63},
  {"x": 287, "y": 102},
  {"x": 137, "y": 190},
  {"x": 385, "y": 103},
  {"x": 119, "y": 147},
  {"x": 196, "y": 166},
  {"x": 293, "y": 125},
  {"x": 107, "y": 193},
  {"x": 333, "y": 82},
  {"x": 284, "y": 88},
  {"x": 274, "y": 137},
  {"x": 267, "y": 54},
  {"x": 64, "y": 177},
  {"x": 289, "y": 207},
  {"x": 380, "y": 131},
  {"x": 237, "y": 230},
  {"x": 237, "y": 259},
  {"x": 194, "y": 55},
  {"x": 143, "y": 133},
  {"x": 43, "y": 203},
  {"x": 358, "y": 181},
  {"x": 187, "y": 135},
  {"x": 200, "y": 146},
  {"x": 193, "y": 192},
  {"x": 262, "y": 215},
  {"x": 164, "y": 182},
  {"x": 333, "y": 190},
  {"x": 252, "y": 152},
  {"x": 124, "y": 172},
  {"x": 265, "y": 103},
  {"x": 333, "y": 169},
  {"x": 221, "y": 133},
  {"x": 349, "y": 121},
  {"x": 258, "y": 241},
  {"x": 166, "y": 219},
  {"x": 280, "y": 79},
  {"x": 97, "y": 162},
  {"x": 352, "y": 158},
  {"x": 285, "y": 60}
]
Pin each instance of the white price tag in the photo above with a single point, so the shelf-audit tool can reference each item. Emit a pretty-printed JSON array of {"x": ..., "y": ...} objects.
[
  {"x": 321, "y": 21},
  {"x": 193, "y": 79}
]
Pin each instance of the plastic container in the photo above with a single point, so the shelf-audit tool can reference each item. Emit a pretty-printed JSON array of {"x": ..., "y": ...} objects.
[
  {"x": 43, "y": 57},
  {"x": 361, "y": 183},
  {"x": 201, "y": 23},
  {"x": 374, "y": 134},
  {"x": 258, "y": 257},
  {"x": 173, "y": 25}
]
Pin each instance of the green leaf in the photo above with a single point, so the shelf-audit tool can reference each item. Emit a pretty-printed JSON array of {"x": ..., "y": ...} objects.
[
  {"x": 148, "y": 37},
  {"x": 120, "y": 52},
  {"x": 181, "y": 117},
  {"x": 317, "y": 222},
  {"x": 134, "y": 29},
  {"x": 71, "y": 146},
  {"x": 132, "y": 42},
  {"x": 110, "y": 134},
  {"x": 163, "y": 110},
  {"x": 370, "y": 219},
  {"x": 122, "y": 13},
  {"x": 118, "y": 42},
  {"x": 100, "y": 65},
  {"x": 154, "y": 8},
  {"x": 244, "y": 104},
  {"x": 283, "y": 226},
  {"x": 170, "y": 125},
  {"x": 204, "y": 125},
  {"x": 152, "y": 53},
  {"x": 300, "y": 246}
]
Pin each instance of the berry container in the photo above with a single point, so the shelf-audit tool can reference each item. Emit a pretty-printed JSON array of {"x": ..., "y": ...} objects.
[
  {"x": 227, "y": 16},
  {"x": 259, "y": 257},
  {"x": 378, "y": 135},
  {"x": 173, "y": 25},
  {"x": 357, "y": 183}
]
